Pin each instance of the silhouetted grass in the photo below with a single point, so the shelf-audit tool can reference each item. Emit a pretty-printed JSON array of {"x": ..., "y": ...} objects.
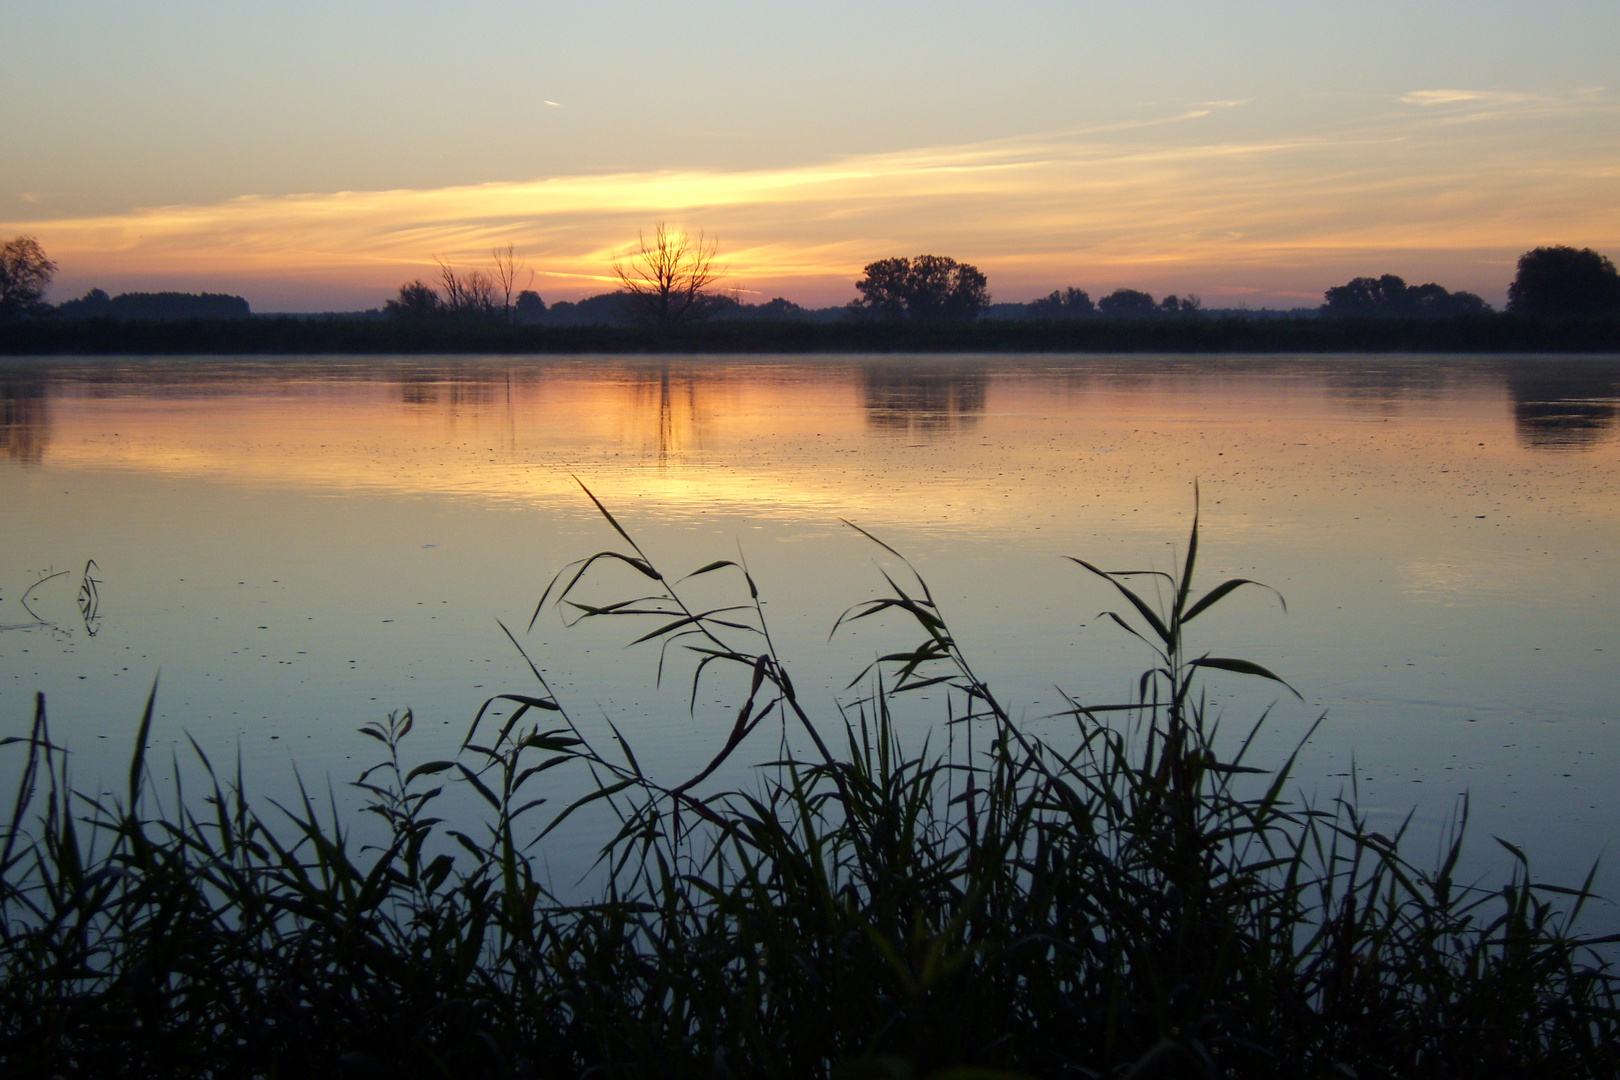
[
  {"x": 1129, "y": 898},
  {"x": 1203, "y": 334}
]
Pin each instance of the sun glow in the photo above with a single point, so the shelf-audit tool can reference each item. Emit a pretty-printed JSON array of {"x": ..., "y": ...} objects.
[{"x": 1439, "y": 182}]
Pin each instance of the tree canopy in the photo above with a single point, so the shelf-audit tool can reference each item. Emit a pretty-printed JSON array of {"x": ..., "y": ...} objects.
[
  {"x": 1390, "y": 296},
  {"x": 417, "y": 300},
  {"x": 929, "y": 288},
  {"x": 154, "y": 307},
  {"x": 529, "y": 307},
  {"x": 466, "y": 294},
  {"x": 25, "y": 273},
  {"x": 1562, "y": 281},
  {"x": 1127, "y": 303},
  {"x": 1070, "y": 303}
]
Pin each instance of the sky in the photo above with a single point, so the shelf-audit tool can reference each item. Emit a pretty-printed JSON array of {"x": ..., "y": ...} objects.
[{"x": 314, "y": 156}]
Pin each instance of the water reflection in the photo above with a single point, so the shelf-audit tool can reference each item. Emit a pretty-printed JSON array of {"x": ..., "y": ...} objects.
[
  {"x": 24, "y": 416},
  {"x": 1381, "y": 388},
  {"x": 668, "y": 408},
  {"x": 42, "y": 607},
  {"x": 1451, "y": 566},
  {"x": 671, "y": 403},
  {"x": 922, "y": 400},
  {"x": 432, "y": 388},
  {"x": 1563, "y": 405}
]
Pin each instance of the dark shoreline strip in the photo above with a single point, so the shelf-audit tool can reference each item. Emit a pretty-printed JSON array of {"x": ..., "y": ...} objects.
[{"x": 276, "y": 335}]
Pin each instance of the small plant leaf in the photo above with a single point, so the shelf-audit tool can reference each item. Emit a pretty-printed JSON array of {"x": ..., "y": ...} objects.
[{"x": 428, "y": 768}]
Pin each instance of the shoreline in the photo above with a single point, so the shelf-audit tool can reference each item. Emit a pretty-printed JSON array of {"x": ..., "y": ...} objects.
[{"x": 291, "y": 336}]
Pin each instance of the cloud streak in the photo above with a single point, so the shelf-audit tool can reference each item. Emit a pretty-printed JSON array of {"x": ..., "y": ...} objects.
[
  {"x": 1454, "y": 97},
  {"x": 1161, "y": 201}
]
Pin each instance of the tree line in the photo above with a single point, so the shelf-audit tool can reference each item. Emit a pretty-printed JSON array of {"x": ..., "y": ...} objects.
[
  {"x": 471, "y": 294},
  {"x": 669, "y": 279},
  {"x": 26, "y": 272}
]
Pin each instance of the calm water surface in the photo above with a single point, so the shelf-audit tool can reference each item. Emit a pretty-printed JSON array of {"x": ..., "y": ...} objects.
[{"x": 294, "y": 547}]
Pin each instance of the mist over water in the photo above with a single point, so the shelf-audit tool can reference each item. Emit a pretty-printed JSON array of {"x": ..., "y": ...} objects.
[{"x": 300, "y": 546}]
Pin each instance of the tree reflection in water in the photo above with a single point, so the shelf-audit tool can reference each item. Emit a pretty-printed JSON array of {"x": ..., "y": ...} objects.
[
  {"x": 1563, "y": 404},
  {"x": 922, "y": 400},
  {"x": 25, "y": 417}
]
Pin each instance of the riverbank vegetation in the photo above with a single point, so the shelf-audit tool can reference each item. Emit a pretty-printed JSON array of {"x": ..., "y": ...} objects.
[
  {"x": 670, "y": 299},
  {"x": 1132, "y": 895},
  {"x": 1188, "y": 333}
]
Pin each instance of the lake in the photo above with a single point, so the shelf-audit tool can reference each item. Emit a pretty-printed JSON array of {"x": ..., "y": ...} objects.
[{"x": 293, "y": 547}]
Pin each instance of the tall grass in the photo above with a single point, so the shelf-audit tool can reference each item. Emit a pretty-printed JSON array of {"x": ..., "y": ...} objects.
[{"x": 1124, "y": 899}]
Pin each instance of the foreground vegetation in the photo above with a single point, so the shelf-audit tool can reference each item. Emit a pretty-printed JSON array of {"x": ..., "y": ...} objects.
[{"x": 1132, "y": 898}]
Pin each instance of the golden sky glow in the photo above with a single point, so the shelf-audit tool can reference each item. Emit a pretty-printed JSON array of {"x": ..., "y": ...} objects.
[
  {"x": 315, "y": 156},
  {"x": 1442, "y": 184}
]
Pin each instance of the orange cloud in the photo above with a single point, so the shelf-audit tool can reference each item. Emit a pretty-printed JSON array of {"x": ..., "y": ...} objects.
[{"x": 1128, "y": 204}]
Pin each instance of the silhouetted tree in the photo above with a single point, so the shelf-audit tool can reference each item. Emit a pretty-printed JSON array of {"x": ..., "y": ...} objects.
[
  {"x": 1176, "y": 305},
  {"x": 942, "y": 288},
  {"x": 155, "y": 307},
  {"x": 666, "y": 280},
  {"x": 1432, "y": 299},
  {"x": 779, "y": 307},
  {"x": 1564, "y": 281},
  {"x": 884, "y": 288},
  {"x": 1070, "y": 303},
  {"x": 1390, "y": 296},
  {"x": 93, "y": 304},
  {"x": 417, "y": 300},
  {"x": 529, "y": 308},
  {"x": 926, "y": 289},
  {"x": 1128, "y": 303},
  {"x": 469, "y": 295},
  {"x": 25, "y": 273},
  {"x": 507, "y": 266},
  {"x": 1364, "y": 295}
]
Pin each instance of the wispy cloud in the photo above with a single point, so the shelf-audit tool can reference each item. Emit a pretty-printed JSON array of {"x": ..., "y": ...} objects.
[
  {"x": 1136, "y": 203},
  {"x": 1453, "y": 97}
]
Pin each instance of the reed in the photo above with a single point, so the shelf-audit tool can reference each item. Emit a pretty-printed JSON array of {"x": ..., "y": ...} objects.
[{"x": 1127, "y": 898}]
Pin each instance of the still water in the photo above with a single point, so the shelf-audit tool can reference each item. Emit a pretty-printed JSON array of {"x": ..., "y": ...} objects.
[{"x": 293, "y": 547}]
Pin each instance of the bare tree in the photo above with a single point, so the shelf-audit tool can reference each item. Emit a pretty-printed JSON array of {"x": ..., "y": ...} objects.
[
  {"x": 25, "y": 273},
  {"x": 509, "y": 264},
  {"x": 471, "y": 294},
  {"x": 666, "y": 280}
]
